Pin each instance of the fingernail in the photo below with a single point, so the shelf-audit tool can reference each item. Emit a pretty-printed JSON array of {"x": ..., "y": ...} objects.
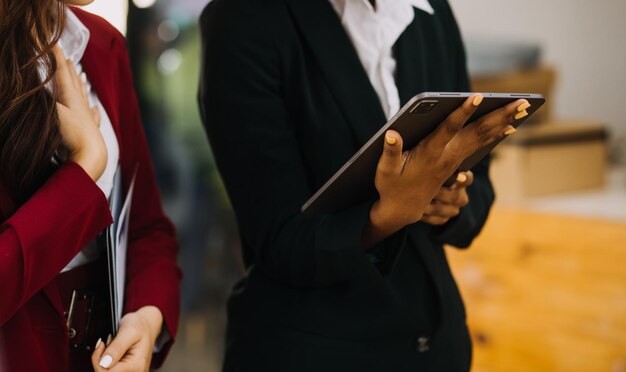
[
  {"x": 477, "y": 100},
  {"x": 83, "y": 77},
  {"x": 390, "y": 140},
  {"x": 106, "y": 361},
  {"x": 520, "y": 115},
  {"x": 98, "y": 343},
  {"x": 523, "y": 106},
  {"x": 109, "y": 338},
  {"x": 510, "y": 131},
  {"x": 461, "y": 177}
]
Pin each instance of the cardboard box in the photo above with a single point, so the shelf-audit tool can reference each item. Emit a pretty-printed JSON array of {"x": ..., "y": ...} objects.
[
  {"x": 540, "y": 80},
  {"x": 553, "y": 158}
]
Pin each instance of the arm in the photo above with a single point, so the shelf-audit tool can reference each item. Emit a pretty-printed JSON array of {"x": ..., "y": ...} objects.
[
  {"x": 256, "y": 149},
  {"x": 253, "y": 138},
  {"x": 67, "y": 212},
  {"x": 43, "y": 235}
]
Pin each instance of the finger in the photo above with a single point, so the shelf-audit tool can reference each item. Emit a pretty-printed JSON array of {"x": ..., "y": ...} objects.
[
  {"x": 96, "y": 115},
  {"x": 463, "y": 199},
  {"x": 435, "y": 221},
  {"x": 470, "y": 178},
  {"x": 59, "y": 57},
  {"x": 83, "y": 84},
  {"x": 391, "y": 161},
  {"x": 447, "y": 195},
  {"x": 463, "y": 179},
  {"x": 500, "y": 123},
  {"x": 62, "y": 80},
  {"x": 74, "y": 75},
  {"x": 125, "y": 339},
  {"x": 452, "y": 194},
  {"x": 442, "y": 210},
  {"x": 454, "y": 122},
  {"x": 97, "y": 355}
]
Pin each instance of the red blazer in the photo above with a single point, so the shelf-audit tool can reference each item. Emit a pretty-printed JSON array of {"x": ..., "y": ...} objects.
[{"x": 40, "y": 237}]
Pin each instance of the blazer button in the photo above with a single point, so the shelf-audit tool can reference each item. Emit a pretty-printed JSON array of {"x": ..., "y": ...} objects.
[{"x": 423, "y": 344}]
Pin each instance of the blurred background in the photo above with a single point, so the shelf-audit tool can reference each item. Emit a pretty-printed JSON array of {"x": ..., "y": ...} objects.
[{"x": 545, "y": 283}]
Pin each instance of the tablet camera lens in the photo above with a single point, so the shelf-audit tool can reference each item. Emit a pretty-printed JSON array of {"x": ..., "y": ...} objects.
[{"x": 424, "y": 107}]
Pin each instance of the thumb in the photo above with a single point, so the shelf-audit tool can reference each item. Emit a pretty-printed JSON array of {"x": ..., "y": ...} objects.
[
  {"x": 391, "y": 160},
  {"x": 125, "y": 339}
]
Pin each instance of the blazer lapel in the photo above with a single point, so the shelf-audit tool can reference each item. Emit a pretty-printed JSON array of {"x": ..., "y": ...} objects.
[
  {"x": 409, "y": 55},
  {"x": 340, "y": 65},
  {"x": 100, "y": 78}
]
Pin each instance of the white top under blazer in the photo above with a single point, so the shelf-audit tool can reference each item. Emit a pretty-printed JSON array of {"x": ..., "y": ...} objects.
[{"x": 373, "y": 32}]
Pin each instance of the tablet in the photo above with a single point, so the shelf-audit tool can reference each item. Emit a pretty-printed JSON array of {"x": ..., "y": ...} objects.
[{"x": 354, "y": 181}]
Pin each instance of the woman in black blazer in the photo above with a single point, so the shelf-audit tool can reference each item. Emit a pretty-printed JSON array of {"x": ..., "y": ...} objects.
[{"x": 285, "y": 102}]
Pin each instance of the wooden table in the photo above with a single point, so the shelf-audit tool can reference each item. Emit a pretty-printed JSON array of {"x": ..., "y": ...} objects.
[{"x": 545, "y": 293}]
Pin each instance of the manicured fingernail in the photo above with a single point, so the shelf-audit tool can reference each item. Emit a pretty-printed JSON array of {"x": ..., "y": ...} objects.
[
  {"x": 461, "y": 177},
  {"x": 98, "y": 343},
  {"x": 510, "y": 131},
  {"x": 390, "y": 140},
  {"x": 523, "y": 106},
  {"x": 109, "y": 338},
  {"x": 520, "y": 115},
  {"x": 477, "y": 100},
  {"x": 83, "y": 77},
  {"x": 106, "y": 361}
]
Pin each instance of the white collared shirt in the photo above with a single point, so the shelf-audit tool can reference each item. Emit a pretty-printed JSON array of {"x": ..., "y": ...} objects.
[
  {"x": 373, "y": 33},
  {"x": 74, "y": 42}
]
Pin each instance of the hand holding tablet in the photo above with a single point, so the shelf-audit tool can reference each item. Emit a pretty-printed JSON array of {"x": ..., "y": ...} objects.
[
  {"x": 407, "y": 181},
  {"x": 422, "y": 147}
]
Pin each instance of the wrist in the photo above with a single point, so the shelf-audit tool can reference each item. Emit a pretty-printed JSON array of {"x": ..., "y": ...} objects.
[
  {"x": 93, "y": 161},
  {"x": 383, "y": 218},
  {"x": 153, "y": 319},
  {"x": 393, "y": 218},
  {"x": 382, "y": 224}
]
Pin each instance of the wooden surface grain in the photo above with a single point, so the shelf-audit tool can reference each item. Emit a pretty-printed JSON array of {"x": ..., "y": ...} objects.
[{"x": 545, "y": 293}]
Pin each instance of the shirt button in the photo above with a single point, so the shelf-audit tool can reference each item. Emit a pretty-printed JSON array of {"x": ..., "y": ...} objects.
[{"x": 423, "y": 344}]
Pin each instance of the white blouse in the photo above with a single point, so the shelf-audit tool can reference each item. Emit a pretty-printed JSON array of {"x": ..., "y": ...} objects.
[{"x": 374, "y": 31}]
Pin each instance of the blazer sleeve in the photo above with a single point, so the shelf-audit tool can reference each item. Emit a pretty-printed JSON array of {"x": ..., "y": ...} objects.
[
  {"x": 254, "y": 143},
  {"x": 152, "y": 275},
  {"x": 46, "y": 232}
]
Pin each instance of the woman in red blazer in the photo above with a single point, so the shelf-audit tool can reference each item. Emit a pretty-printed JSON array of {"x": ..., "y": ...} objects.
[{"x": 62, "y": 135}]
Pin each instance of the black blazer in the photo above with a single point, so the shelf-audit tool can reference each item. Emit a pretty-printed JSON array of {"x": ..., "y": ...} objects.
[{"x": 285, "y": 102}]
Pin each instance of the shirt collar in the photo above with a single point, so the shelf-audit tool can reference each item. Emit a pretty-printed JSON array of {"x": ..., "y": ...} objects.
[
  {"x": 422, "y": 5},
  {"x": 74, "y": 38}
]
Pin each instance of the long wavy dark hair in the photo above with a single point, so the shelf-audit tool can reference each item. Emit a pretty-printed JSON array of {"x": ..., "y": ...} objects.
[{"x": 29, "y": 122}]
